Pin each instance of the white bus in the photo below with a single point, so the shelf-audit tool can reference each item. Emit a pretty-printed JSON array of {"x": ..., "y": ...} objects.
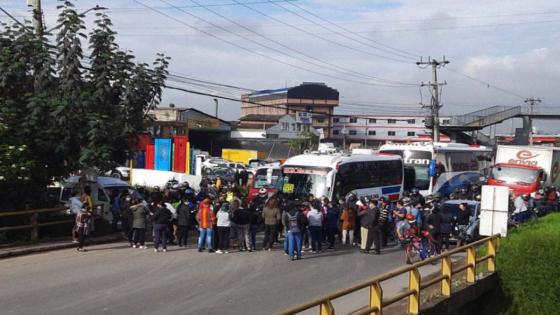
[
  {"x": 336, "y": 175},
  {"x": 453, "y": 165}
]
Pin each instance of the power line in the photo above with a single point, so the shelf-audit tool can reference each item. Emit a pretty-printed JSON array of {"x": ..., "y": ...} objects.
[
  {"x": 488, "y": 85},
  {"x": 397, "y": 50},
  {"x": 337, "y": 68},
  {"x": 259, "y": 53},
  {"x": 318, "y": 36},
  {"x": 12, "y": 17}
]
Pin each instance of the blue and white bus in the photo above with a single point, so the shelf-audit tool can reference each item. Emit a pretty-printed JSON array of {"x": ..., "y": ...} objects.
[
  {"x": 335, "y": 175},
  {"x": 454, "y": 165}
]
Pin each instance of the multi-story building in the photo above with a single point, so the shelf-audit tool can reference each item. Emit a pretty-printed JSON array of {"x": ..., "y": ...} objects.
[
  {"x": 373, "y": 130},
  {"x": 313, "y": 98}
]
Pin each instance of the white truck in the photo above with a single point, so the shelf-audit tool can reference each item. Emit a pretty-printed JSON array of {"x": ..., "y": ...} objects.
[{"x": 524, "y": 169}]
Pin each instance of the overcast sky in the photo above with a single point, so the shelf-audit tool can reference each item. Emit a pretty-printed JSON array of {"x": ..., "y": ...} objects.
[{"x": 358, "y": 47}]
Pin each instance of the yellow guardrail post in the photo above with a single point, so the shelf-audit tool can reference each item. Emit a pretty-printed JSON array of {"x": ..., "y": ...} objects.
[
  {"x": 471, "y": 262},
  {"x": 327, "y": 308},
  {"x": 376, "y": 297},
  {"x": 446, "y": 271},
  {"x": 491, "y": 262},
  {"x": 414, "y": 285}
]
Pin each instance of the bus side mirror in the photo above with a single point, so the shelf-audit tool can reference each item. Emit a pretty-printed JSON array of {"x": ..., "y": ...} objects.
[
  {"x": 432, "y": 168},
  {"x": 329, "y": 179}
]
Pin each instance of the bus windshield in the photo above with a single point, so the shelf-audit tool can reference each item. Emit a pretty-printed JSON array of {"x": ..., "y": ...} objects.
[
  {"x": 301, "y": 182},
  {"x": 416, "y": 164}
]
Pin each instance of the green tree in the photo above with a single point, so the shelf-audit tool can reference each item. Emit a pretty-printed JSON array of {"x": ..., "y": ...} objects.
[{"x": 63, "y": 110}]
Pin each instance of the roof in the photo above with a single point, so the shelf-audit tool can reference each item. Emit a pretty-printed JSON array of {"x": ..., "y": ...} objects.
[
  {"x": 258, "y": 117},
  {"x": 102, "y": 180},
  {"x": 331, "y": 160},
  {"x": 306, "y": 90},
  {"x": 187, "y": 109},
  {"x": 430, "y": 146}
]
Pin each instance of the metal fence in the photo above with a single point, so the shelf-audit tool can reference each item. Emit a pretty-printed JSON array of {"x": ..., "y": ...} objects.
[{"x": 415, "y": 284}]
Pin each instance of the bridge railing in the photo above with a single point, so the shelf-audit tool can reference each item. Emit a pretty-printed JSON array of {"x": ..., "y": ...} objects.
[
  {"x": 376, "y": 299},
  {"x": 485, "y": 117},
  {"x": 34, "y": 223}
]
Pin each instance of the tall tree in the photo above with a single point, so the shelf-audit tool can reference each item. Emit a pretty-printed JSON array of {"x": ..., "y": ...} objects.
[{"x": 62, "y": 111}]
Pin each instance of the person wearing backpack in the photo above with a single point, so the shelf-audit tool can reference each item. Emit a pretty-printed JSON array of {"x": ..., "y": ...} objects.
[
  {"x": 294, "y": 221},
  {"x": 183, "y": 220}
]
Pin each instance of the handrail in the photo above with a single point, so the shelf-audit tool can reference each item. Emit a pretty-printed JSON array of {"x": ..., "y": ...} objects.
[
  {"x": 34, "y": 223},
  {"x": 415, "y": 285}
]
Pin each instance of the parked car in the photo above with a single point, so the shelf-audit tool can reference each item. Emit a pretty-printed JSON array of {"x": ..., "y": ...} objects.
[
  {"x": 237, "y": 167},
  {"x": 215, "y": 162},
  {"x": 227, "y": 174},
  {"x": 120, "y": 172},
  {"x": 471, "y": 233}
]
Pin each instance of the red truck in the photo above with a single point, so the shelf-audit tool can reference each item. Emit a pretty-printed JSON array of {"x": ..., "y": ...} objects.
[{"x": 525, "y": 169}]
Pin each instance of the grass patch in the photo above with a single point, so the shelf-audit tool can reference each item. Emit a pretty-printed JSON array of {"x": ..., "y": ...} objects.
[{"x": 528, "y": 264}]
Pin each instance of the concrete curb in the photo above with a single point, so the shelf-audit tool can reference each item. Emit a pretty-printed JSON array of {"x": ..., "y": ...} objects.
[{"x": 46, "y": 247}]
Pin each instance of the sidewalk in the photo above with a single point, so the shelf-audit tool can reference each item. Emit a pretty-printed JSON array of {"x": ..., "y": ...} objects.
[{"x": 54, "y": 244}]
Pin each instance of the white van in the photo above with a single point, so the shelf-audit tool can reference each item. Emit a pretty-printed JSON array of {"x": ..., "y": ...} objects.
[{"x": 101, "y": 191}]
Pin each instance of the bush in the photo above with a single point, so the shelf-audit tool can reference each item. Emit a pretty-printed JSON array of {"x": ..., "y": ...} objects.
[{"x": 528, "y": 261}]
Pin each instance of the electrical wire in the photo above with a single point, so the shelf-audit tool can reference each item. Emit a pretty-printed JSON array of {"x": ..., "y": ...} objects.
[
  {"x": 336, "y": 67},
  {"x": 262, "y": 54},
  {"x": 489, "y": 85},
  {"x": 398, "y": 51},
  {"x": 319, "y": 36}
]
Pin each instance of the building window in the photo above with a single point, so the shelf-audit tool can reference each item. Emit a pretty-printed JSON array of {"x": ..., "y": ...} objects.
[
  {"x": 371, "y": 132},
  {"x": 411, "y": 121},
  {"x": 352, "y": 132},
  {"x": 335, "y": 120},
  {"x": 411, "y": 134},
  {"x": 372, "y": 121},
  {"x": 336, "y": 132},
  {"x": 391, "y": 133},
  {"x": 391, "y": 121},
  {"x": 446, "y": 122},
  {"x": 285, "y": 126},
  {"x": 320, "y": 121},
  {"x": 353, "y": 120}
]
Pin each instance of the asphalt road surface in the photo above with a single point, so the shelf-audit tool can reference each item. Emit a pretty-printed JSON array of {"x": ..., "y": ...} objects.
[{"x": 116, "y": 279}]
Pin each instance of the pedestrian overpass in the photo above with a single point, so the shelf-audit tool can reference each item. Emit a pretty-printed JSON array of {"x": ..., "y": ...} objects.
[{"x": 467, "y": 128}]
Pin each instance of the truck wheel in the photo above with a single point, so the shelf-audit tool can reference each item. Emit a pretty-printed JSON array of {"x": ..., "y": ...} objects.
[{"x": 116, "y": 175}]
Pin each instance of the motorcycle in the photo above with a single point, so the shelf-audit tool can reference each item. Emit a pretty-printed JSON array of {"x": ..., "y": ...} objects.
[{"x": 420, "y": 248}]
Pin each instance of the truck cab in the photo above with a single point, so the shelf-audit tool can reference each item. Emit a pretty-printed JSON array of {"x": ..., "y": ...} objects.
[{"x": 521, "y": 179}]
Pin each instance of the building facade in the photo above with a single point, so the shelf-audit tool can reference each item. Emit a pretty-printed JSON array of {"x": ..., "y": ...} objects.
[
  {"x": 317, "y": 99},
  {"x": 374, "y": 130}
]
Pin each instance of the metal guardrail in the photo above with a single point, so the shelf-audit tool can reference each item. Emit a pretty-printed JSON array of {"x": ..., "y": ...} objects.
[
  {"x": 34, "y": 223},
  {"x": 415, "y": 285},
  {"x": 485, "y": 117}
]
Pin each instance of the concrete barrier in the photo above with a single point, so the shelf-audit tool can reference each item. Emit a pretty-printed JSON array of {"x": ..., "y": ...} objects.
[{"x": 151, "y": 178}]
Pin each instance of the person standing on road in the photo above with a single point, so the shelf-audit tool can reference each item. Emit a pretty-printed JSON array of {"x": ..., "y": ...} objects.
[
  {"x": 446, "y": 227},
  {"x": 294, "y": 220},
  {"x": 384, "y": 225},
  {"x": 162, "y": 216},
  {"x": 271, "y": 217},
  {"x": 433, "y": 223},
  {"x": 75, "y": 206},
  {"x": 224, "y": 223},
  {"x": 82, "y": 225},
  {"x": 315, "y": 218},
  {"x": 348, "y": 219},
  {"x": 366, "y": 218},
  {"x": 205, "y": 218},
  {"x": 331, "y": 222},
  {"x": 374, "y": 234},
  {"x": 183, "y": 220},
  {"x": 139, "y": 214}
]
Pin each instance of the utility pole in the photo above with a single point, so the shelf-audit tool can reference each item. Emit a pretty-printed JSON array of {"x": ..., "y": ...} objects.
[
  {"x": 216, "y": 102},
  {"x": 434, "y": 104},
  {"x": 532, "y": 101},
  {"x": 37, "y": 16}
]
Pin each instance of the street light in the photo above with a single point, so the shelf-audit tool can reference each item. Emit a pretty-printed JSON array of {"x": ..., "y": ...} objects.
[{"x": 96, "y": 8}]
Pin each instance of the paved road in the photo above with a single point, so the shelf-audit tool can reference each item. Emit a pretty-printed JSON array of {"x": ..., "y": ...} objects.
[{"x": 115, "y": 279}]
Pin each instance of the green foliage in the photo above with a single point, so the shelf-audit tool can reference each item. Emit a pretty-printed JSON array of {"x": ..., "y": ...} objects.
[
  {"x": 62, "y": 111},
  {"x": 528, "y": 261},
  {"x": 305, "y": 141}
]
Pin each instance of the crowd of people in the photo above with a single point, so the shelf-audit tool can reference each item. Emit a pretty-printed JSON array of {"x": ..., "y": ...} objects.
[{"x": 227, "y": 220}]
